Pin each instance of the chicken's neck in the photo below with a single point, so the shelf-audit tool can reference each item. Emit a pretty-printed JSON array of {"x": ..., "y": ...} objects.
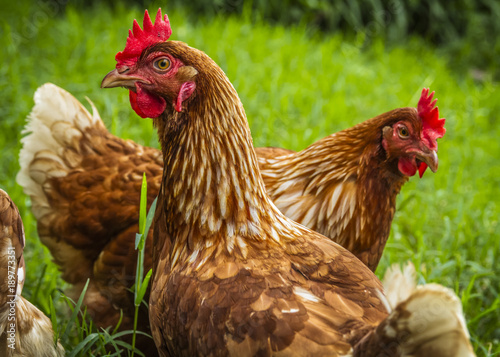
[
  {"x": 212, "y": 192},
  {"x": 341, "y": 186},
  {"x": 355, "y": 153}
]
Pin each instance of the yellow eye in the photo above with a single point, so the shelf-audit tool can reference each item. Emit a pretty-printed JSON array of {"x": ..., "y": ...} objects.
[
  {"x": 162, "y": 63},
  {"x": 403, "y": 132}
]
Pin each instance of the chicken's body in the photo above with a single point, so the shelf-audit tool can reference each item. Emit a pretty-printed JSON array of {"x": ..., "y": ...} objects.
[
  {"x": 24, "y": 330},
  {"x": 231, "y": 274}
]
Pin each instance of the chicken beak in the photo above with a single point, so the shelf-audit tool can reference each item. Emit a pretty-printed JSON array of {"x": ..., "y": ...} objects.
[
  {"x": 429, "y": 157},
  {"x": 116, "y": 79}
]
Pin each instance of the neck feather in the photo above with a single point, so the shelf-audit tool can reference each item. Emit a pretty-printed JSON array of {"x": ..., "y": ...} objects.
[
  {"x": 212, "y": 187},
  {"x": 352, "y": 154}
]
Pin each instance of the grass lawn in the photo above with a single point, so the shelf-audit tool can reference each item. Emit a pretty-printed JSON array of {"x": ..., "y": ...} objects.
[{"x": 296, "y": 88}]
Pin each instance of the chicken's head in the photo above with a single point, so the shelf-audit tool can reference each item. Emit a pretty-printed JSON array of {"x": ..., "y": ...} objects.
[
  {"x": 151, "y": 71},
  {"x": 413, "y": 138}
]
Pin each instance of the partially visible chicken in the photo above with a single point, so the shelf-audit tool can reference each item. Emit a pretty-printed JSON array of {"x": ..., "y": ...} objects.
[
  {"x": 345, "y": 185},
  {"x": 231, "y": 274},
  {"x": 425, "y": 320},
  {"x": 24, "y": 330},
  {"x": 84, "y": 185}
]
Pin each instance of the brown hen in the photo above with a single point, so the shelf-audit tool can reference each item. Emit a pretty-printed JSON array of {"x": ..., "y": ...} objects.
[
  {"x": 231, "y": 274},
  {"x": 345, "y": 185},
  {"x": 24, "y": 330}
]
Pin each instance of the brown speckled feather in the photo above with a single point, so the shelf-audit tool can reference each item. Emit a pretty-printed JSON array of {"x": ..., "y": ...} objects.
[
  {"x": 306, "y": 299},
  {"x": 24, "y": 330},
  {"x": 271, "y": 152}
]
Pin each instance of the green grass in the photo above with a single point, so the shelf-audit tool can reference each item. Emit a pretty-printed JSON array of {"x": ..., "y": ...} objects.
[{"x": 296, "y": 89}]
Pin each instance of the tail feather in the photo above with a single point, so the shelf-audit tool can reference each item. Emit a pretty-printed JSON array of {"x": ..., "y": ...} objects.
[
  {"x": 399, "y": 283},
  {"x": 84, "y": 185},
  {"x": 436, "y": 323},
  {"x": 34, "y": 336},
  {"x": 55, "y": 127},
  {"x": 426, "y": 321},
  {"x": 55, "y": 146}
]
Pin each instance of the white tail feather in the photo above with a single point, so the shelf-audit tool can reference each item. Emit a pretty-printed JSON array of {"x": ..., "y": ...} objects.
[
  {"x": 436, "y": 321},
  {"x": 426, "y": 320},
  {"x": 399, "y": 284}
]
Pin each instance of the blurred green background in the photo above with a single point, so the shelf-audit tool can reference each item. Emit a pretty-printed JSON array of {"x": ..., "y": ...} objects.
[{"x": 303, "y": 69}]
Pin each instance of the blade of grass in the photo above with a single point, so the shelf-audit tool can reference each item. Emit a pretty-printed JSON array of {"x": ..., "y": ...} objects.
[
  {"x": 144, "y": 286},
  {"x": 76, "y": 310},
  {"x": 140, "y": 283},
  {"x": 53, "y": 319},
  {"x": 142, "y": 207},
  {"x": 149, "y": 218},
  {"x": 85, "y": 345}
]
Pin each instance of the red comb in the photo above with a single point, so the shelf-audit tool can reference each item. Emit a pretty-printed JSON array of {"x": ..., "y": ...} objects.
[
  {"x": 139, "y": 39},
  {"x": 433, "y": 126}
]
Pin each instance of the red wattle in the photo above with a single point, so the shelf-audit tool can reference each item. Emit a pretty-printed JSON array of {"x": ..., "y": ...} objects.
[
  {"x": 133, "y": 102},
  {"x": 145, "y": 104},
  {"x": 421, "y": 169},
  {"x": 407, "y": 166}
]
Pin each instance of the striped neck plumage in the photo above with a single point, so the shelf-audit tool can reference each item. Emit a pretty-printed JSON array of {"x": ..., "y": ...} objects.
[
  {"x": 348, "y": 154},
  {"x": 212, "y": 185}
]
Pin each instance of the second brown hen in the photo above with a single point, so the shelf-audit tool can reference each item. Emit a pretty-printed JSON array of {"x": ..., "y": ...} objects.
[{"x": 345, "y": 185}]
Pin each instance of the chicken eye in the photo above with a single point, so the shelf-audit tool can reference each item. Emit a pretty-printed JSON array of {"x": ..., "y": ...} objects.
[
  {"x": 403, "y": 132},
  {"x": 162, "y": 64}
]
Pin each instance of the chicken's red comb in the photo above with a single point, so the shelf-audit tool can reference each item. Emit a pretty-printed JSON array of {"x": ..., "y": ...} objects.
[
  {"x": 432, "y": 125},
  {"x": 139, "y": 39}
]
